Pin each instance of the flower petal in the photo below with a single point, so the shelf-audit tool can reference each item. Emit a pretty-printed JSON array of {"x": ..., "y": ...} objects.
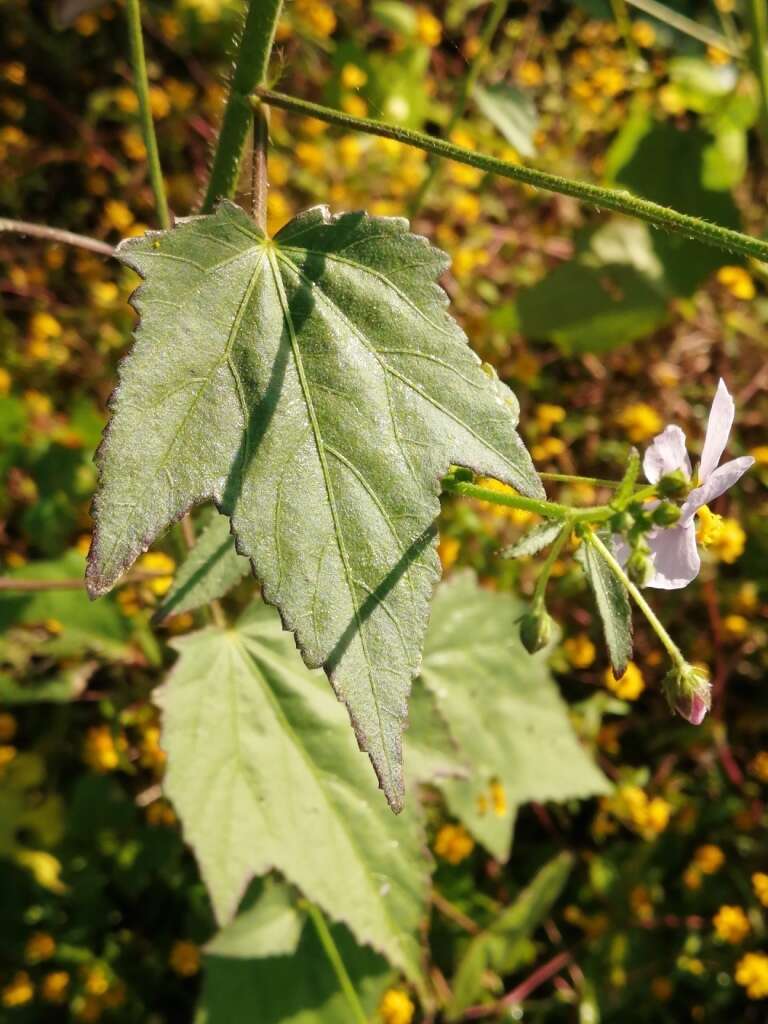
[
  {"x": 675, "y": 557},
  {"x": 718, "y": 428},
  {"x": 665, "y": 454},
  {"x": 717, "y": 483}
]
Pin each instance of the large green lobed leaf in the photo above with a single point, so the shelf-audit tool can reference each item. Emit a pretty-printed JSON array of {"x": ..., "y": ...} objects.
[
  {"x": 264, "y": 773},
  {"x": 315, "y": 387}
]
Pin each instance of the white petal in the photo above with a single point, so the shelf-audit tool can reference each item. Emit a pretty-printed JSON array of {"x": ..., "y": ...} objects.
[
  {"x": 716, "y": 484},
  {"x": 718, "y": 428},
  {"x": 675, "y": 557},
  {"x": 665, "y": 454}
]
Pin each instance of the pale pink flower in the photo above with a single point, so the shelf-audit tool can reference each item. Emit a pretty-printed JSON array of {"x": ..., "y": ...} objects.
[{"x": 674, "y": 554}]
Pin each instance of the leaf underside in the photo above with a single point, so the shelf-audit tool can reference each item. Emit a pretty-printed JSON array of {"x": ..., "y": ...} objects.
[
  {"x": 613, "y": 605},
  {"x": 315, "y": 387},
  {"x": 264, "y": 773}
]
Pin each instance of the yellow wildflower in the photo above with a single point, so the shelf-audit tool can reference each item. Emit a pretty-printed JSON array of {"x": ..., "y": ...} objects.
[
  {"x": 708, "y": 859},
  {"x": 461, "y": 174},
  {"x": 19, "y": 991},
  {"x": 760, "y": 885},
  {"x": 126, "y": 99},
  {"x": 55, "y": 986},
  {"x": 396, "y": 1007},
  {"x": 548, "y": 416},
  {"x": 760, "y": 454},
  {"x": 43, "y": 325},
  {"x": 87, "y": 1009},
  {"x": 428, "y": 29},
  {"x": 629, "y": 686},
  {"x": 579, "y": 650},
  {"x": 758, "y": 766},
  {"x": 159, "y": 102},
  {"x": 133, "y": 146},
  {"x": 310, "y": 156},
  {"x": 161, "y": 813},
  {"x": 104, "y": 293},
  {"x": 498, "y": 799},
  {"x": 717, "y": 56},
  {"x": 649, "y": 816},
  {"x": 461, "y": 137},
  {"x": 117, "y": 215},
  {"x": 610, "y": 81},
  {"x": 735, "y": 626},
  {"x": 181, "y": 94},
  {"x": 184, "y": 958},
  {"x": 641, "y": 421},
  {"x": 354, "y": 105},
  {"x": 101, "y": 750},
  {"x": 40, "y": 946},
  {"x": 709, "y": 526},
  {"x": 95, "y": 980},
  {"x": 87, "y": 25},
  {"x": 643, "y": 34},
  {"x": 752, "y": 974},
  {"x": 15, "y": 73},
  {"x": 5, "y": 381},
  {"x": 8, "y": 726},
  {"x": 548, "y": 448},
  {"x": 160, "y": 563},
  {"x": 151, "y": 754},
  {"x": 353, "y": 77},
  {"x": 691, "y": 964},
  {"x": 318, "y": 16},
  {"x": 737, "y": 281},
  {"x": 453, "y": 843},
  {"x": 44, "y": 868},
  {"x": 530, "y": 74},
  {"x": 731, "y": 924},
  {"x": 692, "y": 878},
  {"x": 448, "y": 549},
  {"x": 729, "y": 544}
]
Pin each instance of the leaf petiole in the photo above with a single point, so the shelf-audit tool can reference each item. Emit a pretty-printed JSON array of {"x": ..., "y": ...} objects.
[
  {"x": 331, "y": 950},
  {"x": 540, "y": 507}
]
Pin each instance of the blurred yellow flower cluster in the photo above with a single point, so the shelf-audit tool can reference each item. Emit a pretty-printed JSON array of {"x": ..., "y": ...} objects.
[
  {"x": 396, "y": 1007},
  {"x": 629, "y": 686},
  {"x": 752, "y": 974},
  {"x": 453, "y": 843}
]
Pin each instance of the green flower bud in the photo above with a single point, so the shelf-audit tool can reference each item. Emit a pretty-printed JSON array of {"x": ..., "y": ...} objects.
[
  {"x": 621, "y": 522},
  {"x": 665, "y": 514},
  {"x": 536, "y": 629},
  {"x": 673, "y": 485},
  {"x": 688, "y": 692}
]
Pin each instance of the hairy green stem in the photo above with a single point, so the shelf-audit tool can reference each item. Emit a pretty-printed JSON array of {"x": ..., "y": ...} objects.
[
  {"x": 469, "y": 81},
  {"x": 568, "y": 478},
  {"x": 758, "y": 27},
  {"x": 251, "y": 65},
  {"x": 58, "y": 235},
  {"x": 259, "y": 180},
  {"x": 686, "y": 25},
  {"x": 605, "y": 198},
  {"x": 540, "y": 507},
  {"x": 141, "y": 82},
  {"x": 590, "y": 537},
  {"x": 331, "y": 950}
]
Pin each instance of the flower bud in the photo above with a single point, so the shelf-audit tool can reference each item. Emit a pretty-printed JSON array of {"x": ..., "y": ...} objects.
[
  {"x": 621, "y": 522},
  {"x": 688, "y": 692},
  {"x": 665, "y": 514},
  {"x": 673, "y": 485},
  {"x": 536, "y": 629}
]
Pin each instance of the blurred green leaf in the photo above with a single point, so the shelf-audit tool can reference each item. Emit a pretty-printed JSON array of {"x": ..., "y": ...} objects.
[
  {"x": 271, "y": 926},
  {"x": 503, "y": 709},
  {"x": 512, "y": 111},
  {"x": 503, "y": 946},
  {"x": 209, "y": 571}
]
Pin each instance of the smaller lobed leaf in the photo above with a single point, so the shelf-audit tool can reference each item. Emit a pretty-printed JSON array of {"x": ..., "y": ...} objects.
[
  {"x": 612, "y": 603},
  {"x": 535, "y": 540}
]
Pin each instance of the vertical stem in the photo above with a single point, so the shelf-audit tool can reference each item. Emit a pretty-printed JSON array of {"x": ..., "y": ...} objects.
[
  {"x": 590, "y": 537},
  {"x": 141, "y": 82},
  {"x": 552, "y": 557},
  {"x": 758, "y": 25},
  {"x": 489, "y": 30},
  {"x": 334, "y": 958},
  {"x": 259, "y": 181},
  {"x": 251, "y": 65}
]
